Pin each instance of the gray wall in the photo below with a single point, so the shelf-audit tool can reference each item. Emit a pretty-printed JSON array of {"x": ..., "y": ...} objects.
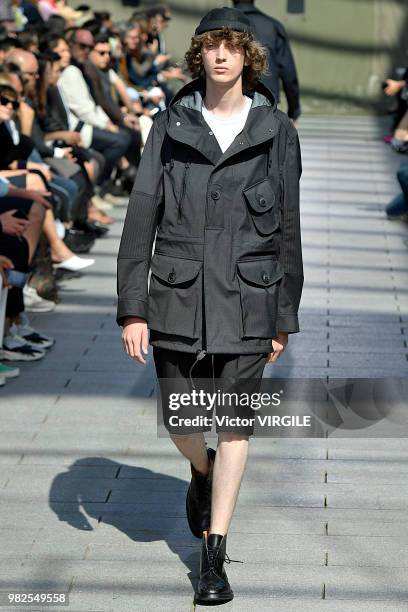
[{"x": 343, "y": 48}]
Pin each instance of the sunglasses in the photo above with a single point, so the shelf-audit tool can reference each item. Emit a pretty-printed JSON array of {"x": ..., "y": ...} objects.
[
  {"x": 102, "y": 52},
  {"x": 14, "y": 103},
  {"x": 85, "y": 47}
]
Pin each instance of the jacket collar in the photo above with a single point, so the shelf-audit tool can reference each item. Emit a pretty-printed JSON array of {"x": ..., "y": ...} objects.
[{"x": 186, "y": 123}]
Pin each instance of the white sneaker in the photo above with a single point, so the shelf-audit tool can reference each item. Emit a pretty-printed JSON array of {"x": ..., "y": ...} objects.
[
  {"x": 7, "y": 372},
  {"x": 30, "y": 335},
  {"x": 75, "y": 263},
  {"x": 15, "y": 348},
  {"x": 34, "y": 302}
]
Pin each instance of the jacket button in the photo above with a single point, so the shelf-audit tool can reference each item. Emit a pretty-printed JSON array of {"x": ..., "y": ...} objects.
[
  {"x": 211, "y": 133},
  {"x": 262, "y": 202},
  {"x": 265, "y": 278},
  {"x": 215, "y": 194},
  {"x": 171, "y": 277}
]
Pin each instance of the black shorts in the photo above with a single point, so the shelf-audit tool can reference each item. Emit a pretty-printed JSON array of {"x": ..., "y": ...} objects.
[{"x": 229, "y": 375}]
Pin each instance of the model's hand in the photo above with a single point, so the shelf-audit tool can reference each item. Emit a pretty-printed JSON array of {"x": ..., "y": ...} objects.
[
  {"x": 278, "y": 344},
  {"x": 135, "y": 338}
]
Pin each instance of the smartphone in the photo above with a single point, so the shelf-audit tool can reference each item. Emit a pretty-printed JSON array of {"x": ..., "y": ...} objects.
[{"x": 16, "y": 278}]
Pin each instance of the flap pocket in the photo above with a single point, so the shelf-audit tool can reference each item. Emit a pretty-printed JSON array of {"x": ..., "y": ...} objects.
[
  {"x": 261, "y": 196},
  {"x": 261, "y": 272},
  {"x": 263, "y": 202},
  {"x": 174, "y": 270}
]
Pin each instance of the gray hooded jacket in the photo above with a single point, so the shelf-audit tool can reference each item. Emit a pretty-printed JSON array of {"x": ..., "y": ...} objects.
[{"x": 227, "y": 270}]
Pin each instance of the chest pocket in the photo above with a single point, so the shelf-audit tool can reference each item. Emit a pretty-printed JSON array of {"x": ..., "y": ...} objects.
[
  {"x": 178, "y": 175},
  {"x": 263, "y": 201}
]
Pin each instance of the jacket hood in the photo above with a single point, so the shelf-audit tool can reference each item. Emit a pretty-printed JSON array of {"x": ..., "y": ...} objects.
[
  {"x": 191, "y": 95},
  {"x": 185, "y": 122}
]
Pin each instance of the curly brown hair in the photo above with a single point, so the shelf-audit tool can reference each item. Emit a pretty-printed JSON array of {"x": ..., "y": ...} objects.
[{"x": 256, "y": 53}]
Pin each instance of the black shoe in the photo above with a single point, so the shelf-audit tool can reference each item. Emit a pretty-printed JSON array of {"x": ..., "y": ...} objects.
[
  {"x": 127, "y": 178},
  {"x": 90, "y": 228},
  {"x": 213, "y": 586},
  {"x": 78, "y": 241},
  {"x": 198, "y": 500},
  {"x": 61, "y": 275},
  {"x": 109, "y": 187}
]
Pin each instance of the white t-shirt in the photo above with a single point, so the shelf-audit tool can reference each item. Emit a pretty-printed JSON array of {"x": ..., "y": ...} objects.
[{"x": 225, "y": 130}]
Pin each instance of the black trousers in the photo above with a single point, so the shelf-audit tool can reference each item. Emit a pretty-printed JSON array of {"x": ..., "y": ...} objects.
[
  {"x": 133, "y": 153},
  {"x": 112, "y": 146},
  {"x": 16, "y": 249},
  {"x": 223, "y": 376}
]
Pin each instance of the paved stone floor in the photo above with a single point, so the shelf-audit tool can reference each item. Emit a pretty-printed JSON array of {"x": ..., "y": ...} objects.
[{"x": 93, "y": 502}]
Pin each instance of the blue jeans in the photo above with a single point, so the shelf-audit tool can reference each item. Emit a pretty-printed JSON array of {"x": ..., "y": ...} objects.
[{"x": 399, "y": 204}]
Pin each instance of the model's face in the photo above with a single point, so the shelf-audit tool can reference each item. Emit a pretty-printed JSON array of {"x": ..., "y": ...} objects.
[
  {"x": 222, "y": 62},
  {"x": 63, "y": 51},
  {"x": 101, "y": 55}
]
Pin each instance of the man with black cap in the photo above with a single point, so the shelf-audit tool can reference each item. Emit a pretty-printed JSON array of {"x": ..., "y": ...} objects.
[
  {"x": 271, "y": 34},
  {"x": 219, "y": 181}
]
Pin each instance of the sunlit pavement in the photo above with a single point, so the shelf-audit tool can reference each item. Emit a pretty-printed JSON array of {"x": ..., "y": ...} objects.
[{"x": 93, "y": 502}]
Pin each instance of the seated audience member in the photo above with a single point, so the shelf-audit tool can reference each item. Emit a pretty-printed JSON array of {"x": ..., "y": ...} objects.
[
  {"x": 399, "y": 138},
  {"x": 20, "y": 341},
  {"x": 158, "y": 20},
  {"x": 73, "y": 163},
  {"x": 397, "y": 209},
  {"x": 15, "y": 151},
  {"x": 109, "y": 92},
  {"x": 75, "y": 92},
  {"x": 138, "y": 67}
]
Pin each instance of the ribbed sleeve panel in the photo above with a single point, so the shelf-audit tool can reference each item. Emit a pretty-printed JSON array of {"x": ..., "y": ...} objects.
[
  {"x": 135, "y": 249},
  {"x": 291, "y": 246}
]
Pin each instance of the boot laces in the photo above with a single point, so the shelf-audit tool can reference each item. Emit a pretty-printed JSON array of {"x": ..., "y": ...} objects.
[
  {"x": 228, "y": 560},
  {"x": 212, "y": 557}
]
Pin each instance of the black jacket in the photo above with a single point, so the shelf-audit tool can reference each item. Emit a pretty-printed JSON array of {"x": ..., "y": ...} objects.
[
  {"x": 227, "y": 269},
  {"x": 272, "y": 35}
]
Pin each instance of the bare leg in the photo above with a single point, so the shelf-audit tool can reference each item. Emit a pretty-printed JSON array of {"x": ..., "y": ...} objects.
[
  {"x": 59, "y": 250},
  {"x": 194, "y": 449},
  {"x": 229, "y": 466},
  {"x": 43, "y": 219},
  {"x": 36, "y": 217}
]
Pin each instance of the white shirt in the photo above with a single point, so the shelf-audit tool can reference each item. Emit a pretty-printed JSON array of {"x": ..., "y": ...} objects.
[
  {"x": 225, "y": 130},
  {"x": 78, "y": 97}
]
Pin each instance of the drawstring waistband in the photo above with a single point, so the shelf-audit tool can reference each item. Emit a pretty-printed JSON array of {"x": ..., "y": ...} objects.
[{"x": 200, "y": 355}]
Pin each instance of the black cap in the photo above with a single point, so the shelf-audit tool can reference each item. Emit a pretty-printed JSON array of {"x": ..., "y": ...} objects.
[{"x": 224, "y": 17}]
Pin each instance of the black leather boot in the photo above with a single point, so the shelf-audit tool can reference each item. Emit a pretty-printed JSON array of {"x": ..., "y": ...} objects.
[
  {"x": 198, "y": 500},
  {"x": 213, "y": 586}
]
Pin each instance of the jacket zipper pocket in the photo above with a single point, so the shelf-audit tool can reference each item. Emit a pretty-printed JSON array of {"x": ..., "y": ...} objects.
[{"x": 183, "y": 190}]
